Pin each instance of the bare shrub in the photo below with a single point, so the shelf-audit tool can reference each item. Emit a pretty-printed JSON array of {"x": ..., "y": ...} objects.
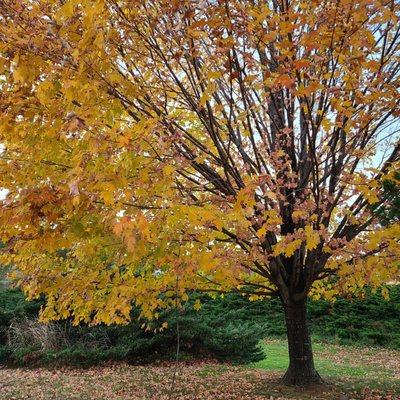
[
  {"x": 32, "y": 333},
  {"x": 53, "y": 336}
]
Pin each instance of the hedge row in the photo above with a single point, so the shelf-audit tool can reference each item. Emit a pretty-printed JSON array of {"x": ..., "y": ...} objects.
[{"x": 228, "y": 328}]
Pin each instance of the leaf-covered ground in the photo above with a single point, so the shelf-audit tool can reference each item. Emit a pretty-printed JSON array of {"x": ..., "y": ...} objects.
[{"x": 357, "y": 373}]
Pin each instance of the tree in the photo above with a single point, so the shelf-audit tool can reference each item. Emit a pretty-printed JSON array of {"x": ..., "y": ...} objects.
[
  {"x": 389, "y": 209},
  {"x": 214, "y": 145}
]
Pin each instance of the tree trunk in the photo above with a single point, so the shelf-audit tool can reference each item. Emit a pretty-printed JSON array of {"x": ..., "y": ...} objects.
[{"x": 301, "y": 369}]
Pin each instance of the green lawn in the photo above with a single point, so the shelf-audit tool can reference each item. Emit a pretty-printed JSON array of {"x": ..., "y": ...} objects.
[{"x": 354, "y": 367}]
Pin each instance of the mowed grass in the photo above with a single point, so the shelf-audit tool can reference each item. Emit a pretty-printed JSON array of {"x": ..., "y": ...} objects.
[
  {"x": 352, "y": 367},
  {"x": 349, "y": 372}
]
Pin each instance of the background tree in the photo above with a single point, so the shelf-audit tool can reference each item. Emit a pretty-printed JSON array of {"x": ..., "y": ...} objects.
[
  {"x": 211, "y": 145},
  {"x": 389, "y": 208}
]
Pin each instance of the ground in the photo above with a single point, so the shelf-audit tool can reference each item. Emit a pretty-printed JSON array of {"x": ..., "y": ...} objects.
[{"x": 349, "y": 372}]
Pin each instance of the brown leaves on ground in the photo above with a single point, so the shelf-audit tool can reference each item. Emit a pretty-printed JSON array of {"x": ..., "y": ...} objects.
[{"x": 195, "y": 381}]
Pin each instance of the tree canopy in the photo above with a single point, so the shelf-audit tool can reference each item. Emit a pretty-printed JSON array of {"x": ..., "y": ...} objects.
[{"x": 154, "y": 147}]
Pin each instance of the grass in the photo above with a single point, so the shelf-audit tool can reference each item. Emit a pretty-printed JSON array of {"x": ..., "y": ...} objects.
[
  {"x": 350, "y": 373},
  {"x": 353, "y": 367}
]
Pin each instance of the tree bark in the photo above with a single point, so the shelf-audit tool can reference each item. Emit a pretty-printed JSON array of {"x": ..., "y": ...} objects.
[{"x": 301, "y": 369}]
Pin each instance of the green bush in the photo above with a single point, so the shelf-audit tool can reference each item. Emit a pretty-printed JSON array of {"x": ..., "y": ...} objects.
[
  {"x": 4, "y": 354},
  {"x": 222, "y": 329},
  {"x": 228, "y": 328},
  {"x": 80, "y": 356},
  {"x": 369, "y": 321}
]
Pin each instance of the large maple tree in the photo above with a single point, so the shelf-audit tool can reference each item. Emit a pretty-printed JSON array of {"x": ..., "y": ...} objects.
[{"x": 151, "y": 148}]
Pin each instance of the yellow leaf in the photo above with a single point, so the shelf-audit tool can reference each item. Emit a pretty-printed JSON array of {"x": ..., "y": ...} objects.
[
  {"x": 168, "y": 170},
  {"x": 385, "y": 293},
  {"x": 164, "y": 325},
  {"x": 262, "y": 231},
  {"x": 206, "y": 96},
  {"x": 197, "y": 305},
  {"x": 299, "y": 214},
  {"x": 292, "y": 247},
  {"x": 76, "y": 200},
  {"x": 99, "y": 41},
  {"x": 65, "y": 11},
  {"x": 185, "y": 297},
  {"x": 214, "y": 74},
  {"x": 312, "y": 238},
  {"x": 107, "y": 196}
]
